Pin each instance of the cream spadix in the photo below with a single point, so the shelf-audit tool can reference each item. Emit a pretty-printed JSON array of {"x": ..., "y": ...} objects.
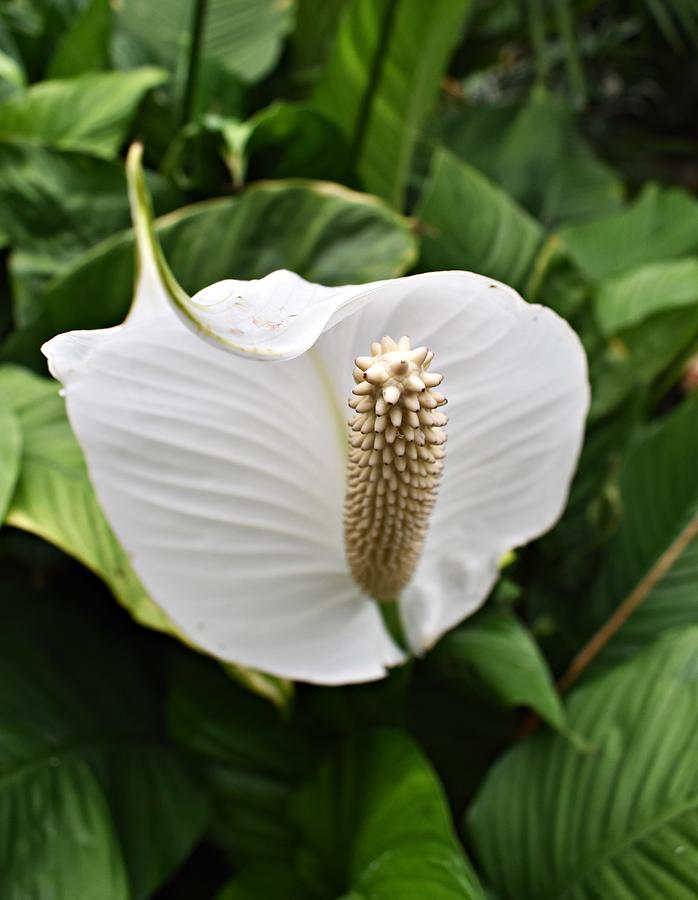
[
  {"x": 214, "y": 429},
  {"x": 395, "y": 462}
]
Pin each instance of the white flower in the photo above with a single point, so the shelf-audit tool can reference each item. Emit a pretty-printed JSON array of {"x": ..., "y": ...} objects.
[{"x": 225, "y": 478}]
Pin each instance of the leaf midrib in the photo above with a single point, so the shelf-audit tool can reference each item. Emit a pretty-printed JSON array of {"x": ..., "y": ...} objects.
[{"x": 599, "y": 861}]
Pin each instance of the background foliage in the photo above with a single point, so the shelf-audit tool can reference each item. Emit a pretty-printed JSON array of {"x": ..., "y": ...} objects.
[{"x": 551, "y": 145}]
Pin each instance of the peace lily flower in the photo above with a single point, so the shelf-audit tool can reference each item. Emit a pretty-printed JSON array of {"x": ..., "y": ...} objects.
[{"x": 215, "y": 431}]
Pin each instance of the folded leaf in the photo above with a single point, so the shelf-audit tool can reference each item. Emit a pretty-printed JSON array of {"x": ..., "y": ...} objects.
[
  {"x": 496, "y": 653},
  {"x": 376, "y": 825}
]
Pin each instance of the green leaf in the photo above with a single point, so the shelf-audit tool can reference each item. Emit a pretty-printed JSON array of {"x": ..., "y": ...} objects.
[
  {"x": 10, "y": 455},
  {"x": 498, "y": 654},
  {"x": 659, "y": 491},
  {"x": 376, "y": 825},
  {"x": 634, "y": 296},
  {"x": 242, "y": 37},
  {"x": 382, "y": 78},
  {"x": 321, "y": 230},
  {"x": 85, "y": 47},
  {"x": 312, "y": 36},
  {"x": 469, "y": 223},
  {"x": 662, "y": 224},
  {"x": 11, "y": 72},
  {"x": 248, "y": 757},
  {"x": 54, "y": 206},
  {"x": 88, "y": 114},
  {"x": 618, "y": 822},
  {"x": 535, "y": 152},
  {"x": 94, "y": 802},
  {"x": 660, "y": 343},
  {"x": 271, "y": 883},
  {"x": 54, "y": 498}
]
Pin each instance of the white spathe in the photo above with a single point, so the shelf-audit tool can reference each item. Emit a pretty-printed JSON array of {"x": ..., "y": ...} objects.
[{"x": 224, "y": 479}]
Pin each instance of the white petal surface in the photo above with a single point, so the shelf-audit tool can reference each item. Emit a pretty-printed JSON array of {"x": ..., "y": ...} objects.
[
  {"x": 224, "y": 481},
  {"x": 515, "y": 378}
]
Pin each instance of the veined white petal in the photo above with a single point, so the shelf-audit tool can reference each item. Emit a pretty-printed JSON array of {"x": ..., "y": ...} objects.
[
  {"x": 224, "y": 481},
  {"x": 515, "y": 378}
]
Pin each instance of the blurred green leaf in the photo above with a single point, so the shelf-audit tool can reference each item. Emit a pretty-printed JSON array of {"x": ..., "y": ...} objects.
[
  {"x": 619, "y": 821},
  {"x": 376, "y": 824},
  {"x": 249, "y": 758},
  {"x": 10, "y": 455},
  {"x": 469, "y": 223},
  {"x": 661, "y": 224},
  {"x": 89, "y": 114},
  {"x": 11, "y": 73},
  {"x": 634, "y": 296},
  {"x": 535, "y": 152},
  {"x": 56, "y": 205},
  {"x": 54, "y": 498},
  {"x": 94, "y": 802},
  {"x": 322, "y": 231},
  {"x": 659, "y": 491},
  {"x": 85, "y": 47},
  {"x": 274, "y": 883},
  {"x": 660, "y": 344},
  {"x": 497, "y": 654},
  {"x": 382, "y": 78},
  {"x": 33, "y": 28},
  {"x": 240, "y": 36},
  {"x": 312, "y": 36}
]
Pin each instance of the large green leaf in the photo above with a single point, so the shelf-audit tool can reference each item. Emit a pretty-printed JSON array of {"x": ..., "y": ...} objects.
[
  {"x": 94, "y": 802},
  {"x": 617, "y": 822},
  {"x": 10, "y": 454},
  {"x": 534, "y": 151},
  {"x": 321, "y": 230},
  {"x": 54, "y": 498},
  {"x": 241, "y": 36},
  {"x": 659, "y": 533},
  {"x": 469, "y": 223},
  {"x": 499, "y": 656},
  {"x": 88, "y": 114},
  {"x": 249, "y": 759},
  {"x": 634, "y": 296},
  {"x": 85, "y": 47},
  {"x": 662, "y": 224},
  {"x": 55, "y": 204},
  {"x": 376, "y": 825},
  {"x": 382, "y": 78}
]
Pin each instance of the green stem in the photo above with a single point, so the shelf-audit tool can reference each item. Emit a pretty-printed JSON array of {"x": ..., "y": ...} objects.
[
  {"x": 197, "y": 32},
  {"x": 390, "y": 612}
]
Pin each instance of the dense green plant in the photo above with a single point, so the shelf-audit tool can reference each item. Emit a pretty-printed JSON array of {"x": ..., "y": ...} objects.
[{"x": 550, "y": 145}]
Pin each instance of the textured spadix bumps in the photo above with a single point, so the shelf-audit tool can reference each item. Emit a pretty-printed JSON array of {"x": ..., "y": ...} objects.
[{"x": 395, "y": 461}]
